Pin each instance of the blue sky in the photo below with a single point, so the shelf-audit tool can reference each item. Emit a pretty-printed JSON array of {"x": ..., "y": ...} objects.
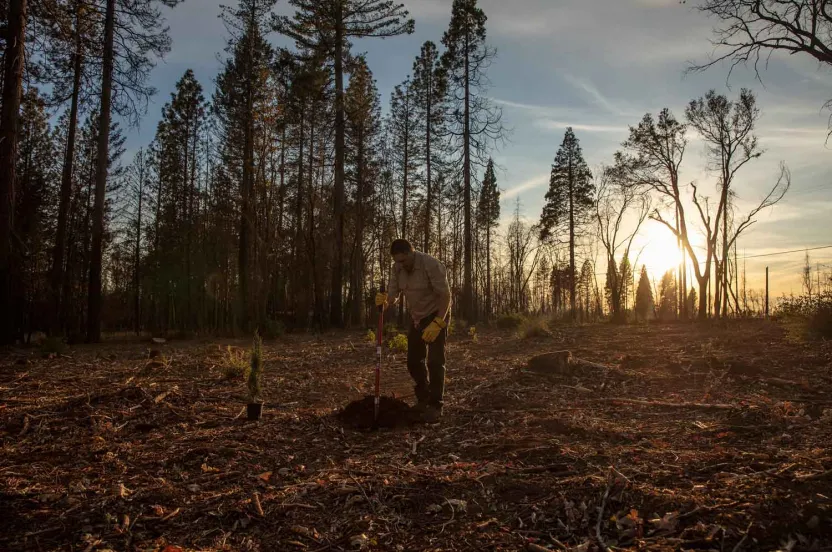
[{"x": 597, "y": 65}]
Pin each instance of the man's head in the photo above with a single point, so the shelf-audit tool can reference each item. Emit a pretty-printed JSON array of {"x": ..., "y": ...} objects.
[{"x": 402, "y": 253}]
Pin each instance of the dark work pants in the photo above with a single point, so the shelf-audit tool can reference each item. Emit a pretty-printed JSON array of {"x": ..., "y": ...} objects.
[{"x": 428, "y": 391}]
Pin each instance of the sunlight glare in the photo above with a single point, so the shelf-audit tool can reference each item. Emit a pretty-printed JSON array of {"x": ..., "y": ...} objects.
[{"x": 656, "y": 248}]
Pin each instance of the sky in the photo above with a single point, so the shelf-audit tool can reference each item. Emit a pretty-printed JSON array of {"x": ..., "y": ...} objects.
[{"x": 598, "y": 66}]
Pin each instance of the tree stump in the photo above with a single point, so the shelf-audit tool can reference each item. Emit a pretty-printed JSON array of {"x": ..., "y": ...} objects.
[{"x": 556, "y": 362}]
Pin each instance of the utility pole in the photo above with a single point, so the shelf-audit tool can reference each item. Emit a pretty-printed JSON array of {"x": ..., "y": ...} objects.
[
  {"x": 818, "y": 269},
  {"x": 766, "y": 293}
]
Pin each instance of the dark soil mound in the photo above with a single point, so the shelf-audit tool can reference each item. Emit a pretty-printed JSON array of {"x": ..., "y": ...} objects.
[{"x": 391, "y": 413}]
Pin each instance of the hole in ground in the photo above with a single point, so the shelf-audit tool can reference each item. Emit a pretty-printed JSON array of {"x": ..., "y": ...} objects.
[{"x": 391, "y": 413}]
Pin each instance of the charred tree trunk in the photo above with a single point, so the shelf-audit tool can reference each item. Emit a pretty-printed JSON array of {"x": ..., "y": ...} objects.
[
  {"x": 357, "y": 284},
  {"x": 12, "y": 87},
  {"x": 58, "y": 253},
  {"x": 298, "y": 291},
  {"x": 488, "y": 302},
  {"x": 280, "y": 299},
  {"x": 467, "y": 284},
  {"x": 314, "y": 290},
  {"x": 137, "y": 252},
  {"x": 725, "y": 254},
  {"x": 335, "y": 307},
  {"x": 572, "y": 279},
  {"x": 429, "y": 190},
  {"x": 95, "y": 298}
]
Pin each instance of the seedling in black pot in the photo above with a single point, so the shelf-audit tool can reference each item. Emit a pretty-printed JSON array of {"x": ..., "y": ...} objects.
[{"x": 255, "y": 404}]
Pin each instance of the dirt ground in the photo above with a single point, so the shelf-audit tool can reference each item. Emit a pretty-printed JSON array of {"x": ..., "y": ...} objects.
[{"x": 677, "y": 437}]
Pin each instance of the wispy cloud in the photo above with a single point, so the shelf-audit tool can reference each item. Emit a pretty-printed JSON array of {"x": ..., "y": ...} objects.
[
  {"x": 535, "y": 182},
  {"x": 795, "y": 130},
  {"x": 562, "y": 112},
  {"x": 524, "y": 106},
  {"x": 599, "y": 98},
  {"x": 550, "y": 124},
  {"x": 559, "y": 118}
]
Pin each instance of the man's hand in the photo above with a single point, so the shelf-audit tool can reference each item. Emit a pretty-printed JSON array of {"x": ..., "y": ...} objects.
[
  {"x": 432, "y": 331},
  {"x": 381, "y": 299}
]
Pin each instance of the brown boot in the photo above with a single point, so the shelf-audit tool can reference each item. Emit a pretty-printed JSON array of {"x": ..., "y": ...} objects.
[{"x": 432, "y": 414}]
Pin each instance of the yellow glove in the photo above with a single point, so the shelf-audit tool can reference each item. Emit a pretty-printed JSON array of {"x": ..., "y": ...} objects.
[
  {"x": 381, "y": 299},
  {"x": 432, "y": 331}
]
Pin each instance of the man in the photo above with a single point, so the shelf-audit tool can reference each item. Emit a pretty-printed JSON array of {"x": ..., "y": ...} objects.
[{"x": 423, "y": 280}]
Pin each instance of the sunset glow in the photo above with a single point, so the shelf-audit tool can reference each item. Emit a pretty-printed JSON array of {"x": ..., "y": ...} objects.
[{"x": 656, "y": 248}]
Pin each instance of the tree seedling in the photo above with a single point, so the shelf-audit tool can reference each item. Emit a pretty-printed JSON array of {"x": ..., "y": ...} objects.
[
  {"x": 255, "y": 404},
  {"x": 398, "y": 343}
]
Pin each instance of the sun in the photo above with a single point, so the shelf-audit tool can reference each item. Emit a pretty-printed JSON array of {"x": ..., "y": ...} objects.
[{"x": 656, "y": 248}]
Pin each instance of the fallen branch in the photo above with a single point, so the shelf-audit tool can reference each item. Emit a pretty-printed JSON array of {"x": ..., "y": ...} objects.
[
  {"x": 416, "y": 443},
  {"x": 560, "y": 468},
  {"x": 814, "y": 476},
  {"x": 361, "y": 488},
  {"x": 665, "y": 404},
  {"x": 453, "y": 516},
  {"x": 781, "y": 381},
  {"x": 598, "y": 536},
  {"x": 297, "y": 505},
  {"x": 42, "y": 531},
  {"x": 171, "y": 515},
  {"x": 706, "y": 508},
  {"x": 18, "y": 401},
  {"x": 744, "y": 538},
  {"x": 589, "y": 364}
]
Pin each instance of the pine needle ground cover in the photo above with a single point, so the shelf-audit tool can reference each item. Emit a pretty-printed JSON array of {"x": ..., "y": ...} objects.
[{"x": 670, "y": 437}]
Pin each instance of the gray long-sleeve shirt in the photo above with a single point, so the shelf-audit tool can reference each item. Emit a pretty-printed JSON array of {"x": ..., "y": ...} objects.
[{"x": 424, "y": 288}]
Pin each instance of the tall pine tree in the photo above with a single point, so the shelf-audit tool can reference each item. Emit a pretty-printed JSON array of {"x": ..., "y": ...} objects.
[
  {"x": 178, "y": 138},
  {"x": 668, "y": 296},
  {"x": 429, "y": 88},
  {"x": 403, "y": 121},
  {"x": 625, "y": 272},
  {"x": 474, "y": 124},
  {"x": 644, "y": 296},
  {"x": 142, "y": 37},
  {"x": 68, "y": 66},
  {"x": 488, "y": 217},
  {"x": 36, "y": 174},
  {"x": 241, "y": 89},
  {"x": 402, "y": 124},
  {"x": 569, "y": 199},
  {"x": 363, "y": 126}
]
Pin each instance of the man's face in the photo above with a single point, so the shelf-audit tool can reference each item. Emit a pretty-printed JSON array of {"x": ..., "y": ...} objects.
[{"x": 404, "y": 260}]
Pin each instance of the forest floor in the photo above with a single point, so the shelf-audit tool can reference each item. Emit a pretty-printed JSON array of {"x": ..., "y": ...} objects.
[{"x": 679, "y": 437}]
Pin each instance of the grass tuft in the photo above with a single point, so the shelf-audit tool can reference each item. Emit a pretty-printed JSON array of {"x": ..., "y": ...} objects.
[
  {"x": 234, "y": 365},
  {"x": 510, "y": 321},
  {"x": 53, "y": 346},
  {"x": 398, "y": 343},
  {"x": 534, "y": 328}
]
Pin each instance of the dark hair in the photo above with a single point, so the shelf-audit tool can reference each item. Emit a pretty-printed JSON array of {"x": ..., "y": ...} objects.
[{"x": 401, "y": 246}]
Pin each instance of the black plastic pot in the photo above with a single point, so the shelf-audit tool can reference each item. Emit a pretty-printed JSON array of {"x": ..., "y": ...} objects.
[{"x": 254, "y": 411}]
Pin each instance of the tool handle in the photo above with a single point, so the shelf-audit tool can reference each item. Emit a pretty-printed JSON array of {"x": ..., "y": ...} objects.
[
  {"x": 377, "y": 397},
  {"x": 380, "y": 322}
]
